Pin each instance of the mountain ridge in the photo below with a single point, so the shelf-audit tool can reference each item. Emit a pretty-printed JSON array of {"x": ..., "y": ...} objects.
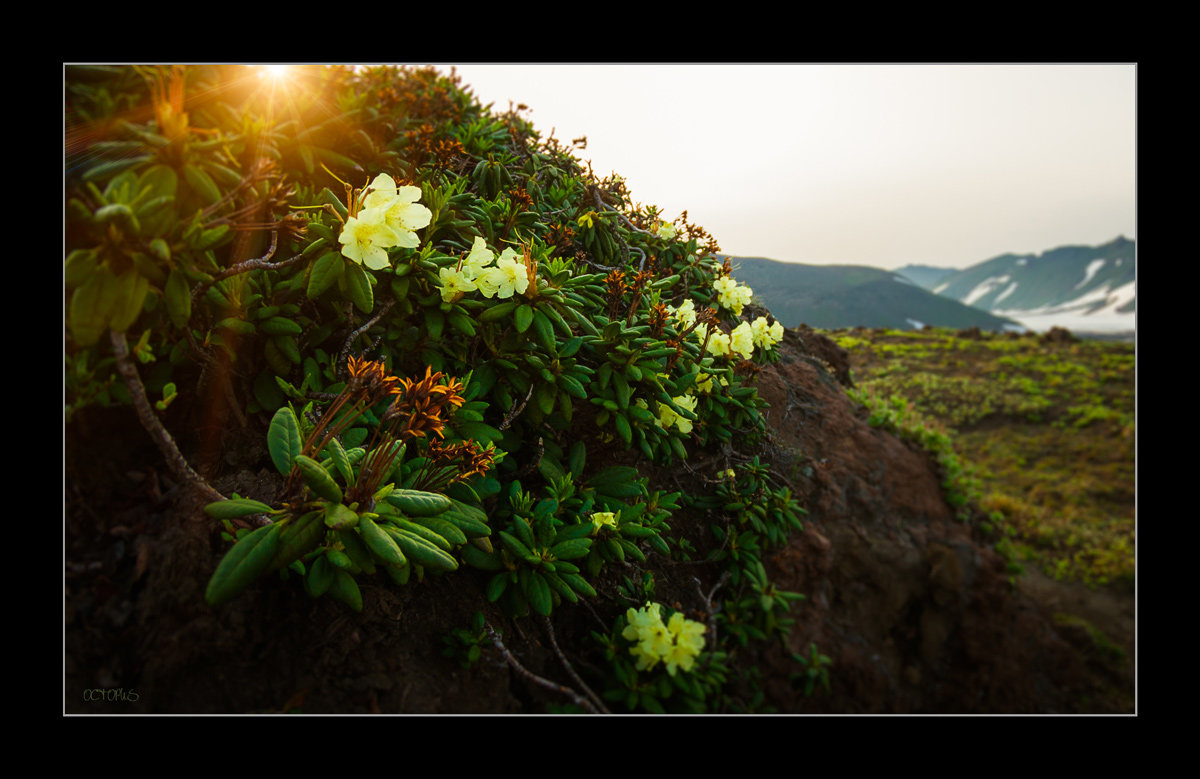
[
  {"x": 1084, "y": 288},
  {"x": 835, "y": 296}
]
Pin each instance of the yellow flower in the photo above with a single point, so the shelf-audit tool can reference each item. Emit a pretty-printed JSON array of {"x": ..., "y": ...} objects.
[
  {"x": 645, "y": 660},
  {"x": 684, "y": 401},
  {"x": 665, "y": 230},
  {"x": 479, "y": 258},
  {"x": 508, "y": 277},
  {"x": 687, "y": 632},
  {"x": 641, "y": 619},
  {"x": 766, "y": 336},
  {"x": 365, "y": 239},
  {"x": 677, "y": 643},
  {"x": 454, "y": 284},
  {"x": 383, "y": 190},
  {"x": 679, "y": 657},
  {"x": 399, "y": 208},
  {"x": 601, "y": 518},
  {"x": 741, "y": 340},
  {"x": 718, "y": 342},
  {"x": 586, "y": 219},
  {"x": 732, "y": 295},
  {"x": 686, "y": 313}
]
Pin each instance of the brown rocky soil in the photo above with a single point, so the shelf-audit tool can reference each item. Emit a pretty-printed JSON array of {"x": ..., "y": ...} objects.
[{"x": 918, "y": 615}]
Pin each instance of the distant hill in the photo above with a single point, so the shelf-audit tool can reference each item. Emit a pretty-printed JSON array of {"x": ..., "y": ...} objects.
[
  {"x": 926, "y": 276},
  {"x": 833, "y": 296},
  {"x": 1084, "y": 288}
]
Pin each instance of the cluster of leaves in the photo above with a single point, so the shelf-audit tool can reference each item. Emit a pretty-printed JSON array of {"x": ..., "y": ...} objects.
[
  {"x": 754, "y": 518},
  {"x": 322, "y": 255},
  {"x": 203, "y": 214},
  {"x": 360, "y": 509},
  {"x": 551, "y": 546}
]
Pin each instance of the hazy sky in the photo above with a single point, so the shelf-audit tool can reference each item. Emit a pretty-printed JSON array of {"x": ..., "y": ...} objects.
[{"x": 879, "y": 165}]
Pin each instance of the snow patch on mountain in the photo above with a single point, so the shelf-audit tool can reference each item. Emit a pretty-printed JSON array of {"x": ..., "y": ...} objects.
[
  {"x": 1011, "y": 288},
  {"x": 984, "y": 287},
  {"x": 1095, "y": 311},
  {"x": 1090, "y": 271}
]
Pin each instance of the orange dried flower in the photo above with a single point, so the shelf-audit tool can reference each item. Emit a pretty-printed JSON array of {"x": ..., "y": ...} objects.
[
  {"x": 420, "y": 403},
  {"x": 369, "y": 377}
]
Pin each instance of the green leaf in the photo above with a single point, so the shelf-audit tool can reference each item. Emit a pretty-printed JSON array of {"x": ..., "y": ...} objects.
[
  {"x": 340, "y": 460},
  {"x": 161, "y": 179},
  {"x": 357, "y": 285},
  {"x": 236, "y": 507},
  {"x": 178, "y": 297},
  {"x": 479, "y": 432},
  {"x": 543, "y": 332},
  {"x": 572, "y": 549},
  {"x": 419, "y": 503},
  {"x": 318, "y": 479},
  {"x": 242, "y": 564},
  {"x": 345, "y": 589},
  {"x": 201, "y": 184},
  {"x": 435, "y": 320},
  {"x": 523, "y": 318},
  {"x": 337, "y": 516},
  {"x": 91, "y": 305},
  {"x": 538, "y": 591},
  {"x": 325, "y": 273},
  {"x": 319, "y": 577},
  {"x": 496, "y": 586},
  {"x": 283, "y": 439}
]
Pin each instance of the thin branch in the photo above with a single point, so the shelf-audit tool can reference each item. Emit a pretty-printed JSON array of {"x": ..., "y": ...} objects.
[
  {"x": 137, "y": 392},
  {"x": 529, "y": 466},
  {"x": 570, "y": 670},
  {"x": 516, "y": 409},
  {"x": 708, "y": 605},
  {"x": 579, "y": 700},
  {"x": 344, "y": 355},
  {"x": 606, "y": 207},
  {"x": 258, "y": 263}
]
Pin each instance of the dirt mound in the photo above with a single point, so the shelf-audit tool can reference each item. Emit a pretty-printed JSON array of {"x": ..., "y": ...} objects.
[
  {"x": 1059, "y": 335},
  {"x": 916, "y": 613}
]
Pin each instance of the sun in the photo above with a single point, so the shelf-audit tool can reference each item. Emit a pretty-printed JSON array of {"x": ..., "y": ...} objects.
[{"x": 276, "y": 72}]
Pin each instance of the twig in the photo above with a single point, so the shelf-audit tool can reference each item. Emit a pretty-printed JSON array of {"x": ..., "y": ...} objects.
[
  {"x": 570, "y": 670},
  {"x": 601, "y": 204},
  {"x": 606, "y": 207},
  {"x": 137, "y": 393},
  {"x": 345, "y": 353},
  {"x": 516, "y": 666},
  {"x": 592, "y": 609},
  {"x": 515, "y": 410},
  {"x": 712, "y": 612},
  {"x": 541, "y": 449},
  {"x": 258, "y": 263}
]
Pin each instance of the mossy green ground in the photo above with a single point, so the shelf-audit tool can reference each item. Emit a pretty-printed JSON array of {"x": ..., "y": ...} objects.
[{"x": 1048, "y": 427}]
